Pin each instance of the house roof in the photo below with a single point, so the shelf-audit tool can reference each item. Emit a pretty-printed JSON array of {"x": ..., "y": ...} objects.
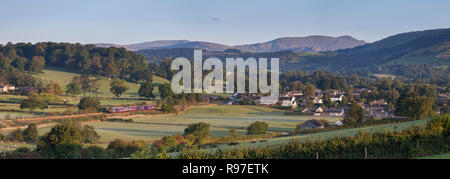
[
  {"x": 285, "y": 98},
  {"x": 313, "y": 122}
]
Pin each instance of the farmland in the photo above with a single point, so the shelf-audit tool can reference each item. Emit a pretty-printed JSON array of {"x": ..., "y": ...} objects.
[
  {"x": 221, "y": 119},
  {"x": 64, "y": 77},
  {"x": 228, "y": 116},
  {"x": 322, "y": 135}
]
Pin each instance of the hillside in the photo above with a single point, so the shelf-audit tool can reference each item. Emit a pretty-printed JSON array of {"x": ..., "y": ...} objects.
[
  {"x": 411, "y": 44},
  {"x": 304, "y": 44},
  {"x": 63, "y": 77}
]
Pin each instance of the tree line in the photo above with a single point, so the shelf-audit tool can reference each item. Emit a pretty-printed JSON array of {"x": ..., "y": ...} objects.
[{"x": 18, "y": 61}]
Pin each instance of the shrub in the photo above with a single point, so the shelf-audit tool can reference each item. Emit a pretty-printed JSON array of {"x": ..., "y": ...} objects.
[
  {"x": 94, "y": 152},
  {"x": 89, "y": 134},
  {"x": 89, "y": 104},
  {"x": 17, "y": 135},
  {"x": 200, "y": 132},
  {"x": 440, "y": 123},
  {"x": 167, "y": 108},
  {"x": 3, "y": 138},
  {"x": 123, "y": 148},
  {"x": 33, "y": 102},
  {"x": 257, "y": 128},
  {"x": 62, "y": 142},
  {"x": 169, "y": 142},
  {"x": 31, "y": 133}
]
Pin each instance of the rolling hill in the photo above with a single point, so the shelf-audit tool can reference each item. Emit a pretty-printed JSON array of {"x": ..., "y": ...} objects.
[
  {"x": 419, "y": 47},
  {"x": 299, "y": 44},
  {"x": 429, "y": 47},
  {"x": 304, "y": 44}
]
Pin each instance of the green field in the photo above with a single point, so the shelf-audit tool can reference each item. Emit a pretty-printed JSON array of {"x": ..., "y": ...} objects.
[
  {"x": 28, "y": 113},
  {"x": 325, "y": 135},
  {"x": 12, "y": 98},
  {"x": 232, "y": 116},
  {"x": 221, "y": 119},
  {"x": 12, "y": 102},
  {"x": 64, "y": 77},
  {"x": 135, "y": 131}
]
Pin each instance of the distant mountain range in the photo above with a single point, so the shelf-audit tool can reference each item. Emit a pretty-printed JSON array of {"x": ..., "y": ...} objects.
[
  {"x": 431, "y": 47},
  {"x": 298, "y": 44}
]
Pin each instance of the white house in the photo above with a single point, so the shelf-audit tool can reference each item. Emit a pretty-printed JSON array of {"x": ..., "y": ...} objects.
[
  {"x": 287, "y": 101},
  {"x": 6, "y": 88},
  {"x": 337, "y": 97}
]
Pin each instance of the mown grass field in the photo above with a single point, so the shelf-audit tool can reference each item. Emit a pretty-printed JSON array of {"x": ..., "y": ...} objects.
[
  {"x": 221, "y": 119},
  {"x": 30, "y": 113},
  {"x": 64, "y": 77},
  {"x": 136, "y": 131},
  {"x": 232, "y": 116}
]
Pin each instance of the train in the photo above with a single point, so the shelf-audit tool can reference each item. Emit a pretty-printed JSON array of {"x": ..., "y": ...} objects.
[{"x": 131, "y": 108}]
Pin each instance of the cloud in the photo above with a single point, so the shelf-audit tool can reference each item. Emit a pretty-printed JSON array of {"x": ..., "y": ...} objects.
[{"x": 216, "y": 19}]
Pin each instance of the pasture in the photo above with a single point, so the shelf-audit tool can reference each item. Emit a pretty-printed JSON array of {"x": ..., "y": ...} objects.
[
  {"x": 232, "y": 116},
  {"x": 64, "y": 77},
  {"x": 221, "y": 119},
  {"x": 328, "y": 135}
]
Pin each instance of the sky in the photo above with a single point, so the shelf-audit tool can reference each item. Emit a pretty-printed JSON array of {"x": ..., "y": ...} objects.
[{"x": 231, "y": 22}]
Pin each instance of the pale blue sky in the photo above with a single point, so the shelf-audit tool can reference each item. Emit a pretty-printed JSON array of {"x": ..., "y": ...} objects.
[{"x": 229, "y": 22}]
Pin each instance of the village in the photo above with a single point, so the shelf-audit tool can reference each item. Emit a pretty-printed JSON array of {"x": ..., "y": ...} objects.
[{"x": 324, "y": 103}]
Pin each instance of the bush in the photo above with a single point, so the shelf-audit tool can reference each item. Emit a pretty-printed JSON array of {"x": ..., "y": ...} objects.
[
  {"x": 3, "y": 138},
  {"x": 119, "y": 120},
  {"x": 257, "y": 128},
  {"x": 94, "y": 152},
  {"x": 31, "y": 133},
  {"x": 440, "y": 124},
  {"x": 167, "y": 108},
  {"x": 33, "y": 102},
  {"x": 89, "y": 104},
  {"x": 17, "y": 135},
  {"x": 200, "y": 132},
  {"x": 89, "y": 135},
  {"x": 62, "y": 142},
  {"x": 21, "y": 153},
  {"x": 169, "y": 142},
  {"x": 122, "y": 148}
]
